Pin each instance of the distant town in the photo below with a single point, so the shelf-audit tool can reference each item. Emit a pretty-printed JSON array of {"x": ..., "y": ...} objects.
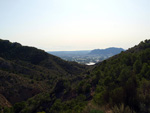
[{"x": 88, "y": 57}]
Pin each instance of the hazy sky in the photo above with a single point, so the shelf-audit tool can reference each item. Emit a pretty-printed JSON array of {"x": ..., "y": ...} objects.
[{"x": 75, "y": 24}]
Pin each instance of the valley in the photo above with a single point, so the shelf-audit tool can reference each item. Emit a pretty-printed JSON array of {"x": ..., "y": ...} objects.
[{"x": 33, "y": 81}]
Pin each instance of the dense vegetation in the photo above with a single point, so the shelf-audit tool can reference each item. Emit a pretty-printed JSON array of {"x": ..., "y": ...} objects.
[
  {"x": 120, "y": 84},
  {"x": 125, "y": 79},
  {"x": 27, "y": 71}
]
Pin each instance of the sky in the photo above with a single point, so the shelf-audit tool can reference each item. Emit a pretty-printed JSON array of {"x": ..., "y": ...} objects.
[{"x": 64, "y": 25}]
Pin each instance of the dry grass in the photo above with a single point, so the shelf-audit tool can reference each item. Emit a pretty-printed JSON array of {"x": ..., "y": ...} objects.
[{"x": 92, "y": 106}]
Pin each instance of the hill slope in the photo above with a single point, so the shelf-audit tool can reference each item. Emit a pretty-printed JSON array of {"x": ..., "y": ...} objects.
[
  {"x": 27, "y": 71},
  {"x": 15, "y": 51},
  {"x": 124, "y": 79}
]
